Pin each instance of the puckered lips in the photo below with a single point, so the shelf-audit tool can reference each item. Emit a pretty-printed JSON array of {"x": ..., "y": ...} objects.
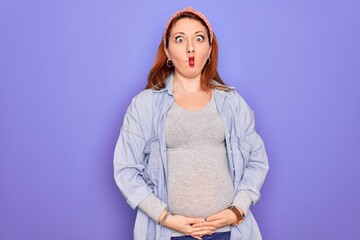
[{"x": 191, "y": 61}]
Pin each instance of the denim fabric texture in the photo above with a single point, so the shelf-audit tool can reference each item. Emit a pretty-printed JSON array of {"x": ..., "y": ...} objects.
[{"x": 215, "y": 236}]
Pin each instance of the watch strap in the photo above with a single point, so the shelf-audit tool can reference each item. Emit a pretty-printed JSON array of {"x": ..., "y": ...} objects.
[{"x": 239, "y": 216}]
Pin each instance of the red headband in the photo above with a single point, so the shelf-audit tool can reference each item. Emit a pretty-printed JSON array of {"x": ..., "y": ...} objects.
[{"x": 191, "y": 10}]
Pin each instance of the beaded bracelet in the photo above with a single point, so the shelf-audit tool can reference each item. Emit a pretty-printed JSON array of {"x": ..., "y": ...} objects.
[{"x": 164, "y": 219}]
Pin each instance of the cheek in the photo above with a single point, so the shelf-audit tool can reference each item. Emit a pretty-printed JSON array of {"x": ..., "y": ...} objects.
[
  {"x": 176, "y": 52},
  {"x": 203, "y": 50},
  {"x": 203, "y": 55}
]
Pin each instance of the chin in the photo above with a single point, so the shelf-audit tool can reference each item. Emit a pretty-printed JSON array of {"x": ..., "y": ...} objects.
[
  {"x": 193, "y": 72},
  {"x": 189, "y": 73},
  {"x": 192, "y": 75}
]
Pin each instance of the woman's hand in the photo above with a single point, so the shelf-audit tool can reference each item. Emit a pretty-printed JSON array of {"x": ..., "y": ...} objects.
[
  {"x": 218, "y": 220},
  {"x": 186, "y": 226}
]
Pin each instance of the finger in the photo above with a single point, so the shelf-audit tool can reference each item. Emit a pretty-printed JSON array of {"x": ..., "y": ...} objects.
[
  {"x": 202, "y": 233},
  {"x": 197, "y": 237},
  {"x": 213, "y": 224},
  {"x": 203, "y": 224},
  {"x": 196, "y": 225},
  {"x": 209, "y": 222},
  {"x": 195, "y": 220},
  {"x": 206, "y": 228},
  {"x": 213, "y": 217}
]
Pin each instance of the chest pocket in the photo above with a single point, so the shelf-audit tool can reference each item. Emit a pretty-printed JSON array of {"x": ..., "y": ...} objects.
[
  {"x": 152, "y": 161},
  {"x": 241, "y": 153}
]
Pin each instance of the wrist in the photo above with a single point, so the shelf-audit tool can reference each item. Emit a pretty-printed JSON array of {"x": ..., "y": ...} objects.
[
  {"x": 169, "y": 221},
  {"x": 239, "y": 214},
  {"x": 162, "y": 215}
]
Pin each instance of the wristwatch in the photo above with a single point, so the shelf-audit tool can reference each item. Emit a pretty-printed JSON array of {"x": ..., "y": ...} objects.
[{"x": 240, "y": 217}]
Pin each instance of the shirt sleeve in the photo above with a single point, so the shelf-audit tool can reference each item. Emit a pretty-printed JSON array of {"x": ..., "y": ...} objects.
[
  {"x": 256, "y": 161},
  {"x": 152, "y": 206},
  {"x": 129, "y": 158},
  {"x": 242, "y": 200}
]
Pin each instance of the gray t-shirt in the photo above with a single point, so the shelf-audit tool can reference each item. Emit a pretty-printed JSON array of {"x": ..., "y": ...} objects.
[{"x": 199, "y": 182}]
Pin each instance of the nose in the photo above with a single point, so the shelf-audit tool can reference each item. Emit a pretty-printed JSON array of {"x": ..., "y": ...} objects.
[{"x": 190, "y": 48}]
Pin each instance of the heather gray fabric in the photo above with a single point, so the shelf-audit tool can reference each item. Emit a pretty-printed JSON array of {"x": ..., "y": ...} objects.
[
  {"x": 199, "y": 182},
  {"x": 152, "y": 206}
]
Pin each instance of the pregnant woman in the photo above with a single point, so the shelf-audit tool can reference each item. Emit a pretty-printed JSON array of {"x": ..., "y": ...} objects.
[{"x": 188, "y": 157}]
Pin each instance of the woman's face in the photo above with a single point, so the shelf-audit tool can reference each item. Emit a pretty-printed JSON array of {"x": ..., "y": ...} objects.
[{"x": 188, "y": 47}]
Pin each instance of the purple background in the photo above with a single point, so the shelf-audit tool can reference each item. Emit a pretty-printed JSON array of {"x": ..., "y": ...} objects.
[{"x": 68, "y": 70}]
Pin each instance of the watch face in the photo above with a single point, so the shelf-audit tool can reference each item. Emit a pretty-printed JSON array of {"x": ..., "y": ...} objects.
[{"x": 236, "y": 223}]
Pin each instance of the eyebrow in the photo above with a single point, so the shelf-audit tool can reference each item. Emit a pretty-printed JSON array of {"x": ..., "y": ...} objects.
[{"x": 182, "y": 33}]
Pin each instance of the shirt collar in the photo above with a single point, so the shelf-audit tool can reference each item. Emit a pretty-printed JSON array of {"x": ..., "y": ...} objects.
[{"x": 168, "y": 85}]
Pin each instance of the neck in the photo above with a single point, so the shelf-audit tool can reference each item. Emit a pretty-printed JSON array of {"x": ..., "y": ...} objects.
[{"x": 184, "y": 84}]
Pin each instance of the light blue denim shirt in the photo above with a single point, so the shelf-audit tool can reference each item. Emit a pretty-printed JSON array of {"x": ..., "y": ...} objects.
[{"x": 140, "y": 165}]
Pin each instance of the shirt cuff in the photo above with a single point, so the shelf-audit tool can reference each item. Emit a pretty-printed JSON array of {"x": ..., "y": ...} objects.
[
  {"x": 152, "y": 206},
  {"x": 243, "y": 201}
]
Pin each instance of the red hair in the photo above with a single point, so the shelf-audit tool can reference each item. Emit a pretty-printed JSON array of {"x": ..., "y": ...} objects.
[{"x": 160, "y": 71}]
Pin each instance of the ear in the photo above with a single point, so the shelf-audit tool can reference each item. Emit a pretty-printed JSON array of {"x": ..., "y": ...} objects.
[
  {"x": 167, "y": 53},
  {"x": 210, "y": 51}
]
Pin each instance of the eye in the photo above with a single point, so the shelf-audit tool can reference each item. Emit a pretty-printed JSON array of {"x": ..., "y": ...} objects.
[
  {"x": 200, "y": 38},
  {"x": 179, "y": 39}
]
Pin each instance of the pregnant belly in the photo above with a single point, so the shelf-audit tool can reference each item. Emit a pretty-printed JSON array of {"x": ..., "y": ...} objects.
[{"x": 198, "y": 184}]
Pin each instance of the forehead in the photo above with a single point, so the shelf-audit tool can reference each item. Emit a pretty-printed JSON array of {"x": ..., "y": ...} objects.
[{"x": 187, "y": 25}]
